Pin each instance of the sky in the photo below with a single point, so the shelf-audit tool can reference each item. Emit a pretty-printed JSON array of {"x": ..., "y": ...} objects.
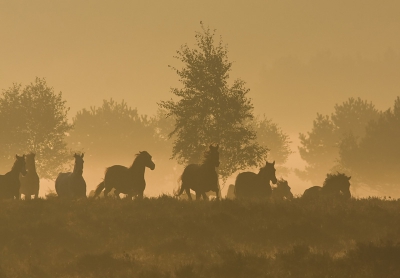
[{"x": 298, "y": 58}]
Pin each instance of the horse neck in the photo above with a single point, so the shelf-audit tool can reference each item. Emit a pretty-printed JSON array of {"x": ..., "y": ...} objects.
[
  {"x": 137, "y": 168},
  {"x": 15, "y": 170},
  {"x": 77, "y": 171},
  {"x": 31, "y": 167}
]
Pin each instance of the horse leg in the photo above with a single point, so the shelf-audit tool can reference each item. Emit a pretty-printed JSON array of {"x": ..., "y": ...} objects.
[
  {"x": 140, "y": 195},
  {"x": 205, "y": 197},
  {"x": 27, "y": 196},
  {"x": 198, "y": 196},
  {"x": 116, "y": 194},
  {"x": 187, "y": 190},
  {"x": 106, "y": 190},
  {"x": 37, "y": 195}
]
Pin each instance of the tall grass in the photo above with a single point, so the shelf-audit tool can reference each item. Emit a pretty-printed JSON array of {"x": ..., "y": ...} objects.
[{"x": 165, "y": 237}]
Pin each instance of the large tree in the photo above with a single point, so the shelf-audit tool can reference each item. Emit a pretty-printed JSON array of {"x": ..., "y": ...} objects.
[
  {"x": 34, "y": 119},
  {"x": 374, "y": 159},
  {"x": 208, "y": 110},
  {"x": 320, "y": 147}
]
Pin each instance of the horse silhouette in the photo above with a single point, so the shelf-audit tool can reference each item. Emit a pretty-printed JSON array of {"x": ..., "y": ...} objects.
[
  {"x": 282, "y": 191},
  {"x": 231, "y": 192},
  {"x": 30, "y": 181},
  {"x": 72, "y": 185},
  {"x": 125, "y": 180},
  {"x": 335, "y": 185},
  {"x": 201, "y": 178},
  {"x": 9, "y": 183},
  {"x": 249, "y": 185}
]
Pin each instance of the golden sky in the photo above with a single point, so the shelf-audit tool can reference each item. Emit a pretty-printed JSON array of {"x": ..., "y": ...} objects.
[{"x": 297, "y": 57}]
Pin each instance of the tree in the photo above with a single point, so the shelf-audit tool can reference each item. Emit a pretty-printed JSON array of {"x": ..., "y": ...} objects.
[
  {"x": 211, "y": 111},
  {"x": 320, "y": 147},
  {"x": 34, "y": 119},
  {"x": 374, "y": 159},
  {"x": 110, "y": 131},
  {"x": 271, "y": 135}
]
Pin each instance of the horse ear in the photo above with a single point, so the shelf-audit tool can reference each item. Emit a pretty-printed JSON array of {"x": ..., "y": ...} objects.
[
  {"x": 273, "y": 163},
  {"x": 82, "y": 155},
  {"x": 349, "y": 178},
  {"x": 217, "y": 146}
]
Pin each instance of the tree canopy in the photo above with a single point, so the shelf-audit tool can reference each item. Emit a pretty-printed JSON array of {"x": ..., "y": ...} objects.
[
  {"x": 34, "y": 119},
  {"x": 320, "y": 147},
  {"x": 375, "y": 158},
  {"x": 210, "y": 111}
]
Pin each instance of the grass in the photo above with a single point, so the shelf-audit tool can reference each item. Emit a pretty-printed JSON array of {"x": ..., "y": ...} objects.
[{"x": 165, "y": 237}]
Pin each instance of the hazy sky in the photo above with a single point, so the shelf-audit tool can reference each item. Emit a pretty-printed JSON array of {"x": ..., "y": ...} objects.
[{"x": 297, "y": 57}]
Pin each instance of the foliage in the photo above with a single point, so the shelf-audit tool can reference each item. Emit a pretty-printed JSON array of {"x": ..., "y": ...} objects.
[
  {"x": 320, "y": 147},
  {"x": 165, "y": 237},
  {"x": 209, "y": 111},
  {"x": 374, "y": 159},
  {"x": 110, "y": 130},
  {"x": 271, "y": 135},
  {"x": 34, "y": 119}
]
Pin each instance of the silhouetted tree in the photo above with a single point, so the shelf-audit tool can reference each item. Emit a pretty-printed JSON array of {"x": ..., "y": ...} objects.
[
  {"x": 111, "y": 130},
  {"x": 271, "y": 135},
  {"x": 208, "y": 110},
  {"x": 320, "y": 147},
  {"x": 375, "y": 158},
  {"x": 34, "y": 119}
]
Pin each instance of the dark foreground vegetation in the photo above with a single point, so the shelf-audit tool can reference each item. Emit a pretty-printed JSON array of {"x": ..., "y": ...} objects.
[{"x": 165, "y": 237}]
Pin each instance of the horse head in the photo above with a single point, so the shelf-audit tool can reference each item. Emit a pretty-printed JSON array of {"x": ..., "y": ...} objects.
[
  {"x": 212, "y": 156},
  {"x": 20, "y": 164},
  {"x": 283, "y": 186},
  {"x": 337, "y": 184},
  {"x": 268, "y": 172},
  {"x": 78, "y": 162},
  {"x": 145, "y": 158}
]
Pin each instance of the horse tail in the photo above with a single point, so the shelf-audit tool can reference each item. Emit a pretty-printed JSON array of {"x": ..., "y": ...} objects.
[
  {"x": 181, "y": 188},
  {"x": 98, "y": 189}
]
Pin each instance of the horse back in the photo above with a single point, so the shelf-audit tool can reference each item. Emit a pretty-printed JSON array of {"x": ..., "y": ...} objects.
[
  {"x": 200, "y": 178},
  {"x": 61, "y": 184},
  {"x": 312, "y": 192},
  {"x": 123, "y": 180},
  {"x": 247, "y": 185},
  {"x": 9, "y": 186}
]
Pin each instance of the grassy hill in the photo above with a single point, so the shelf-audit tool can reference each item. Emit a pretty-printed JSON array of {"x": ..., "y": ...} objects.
[{"x": 165, "y": 237}]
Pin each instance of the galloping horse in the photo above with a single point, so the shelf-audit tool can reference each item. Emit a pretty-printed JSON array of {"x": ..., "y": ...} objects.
[
  {"x": 249, "y": 185},
  {"x": 282, "y": 191},
  {"x": 335, "y": 185},
  {"x": 72, "y": 185},
  {"x": 201, "y": 178},
  {"x": 125, "y": 180},
  {"x": 29, "y": 182},
  {"x": 9, "y": 183}
]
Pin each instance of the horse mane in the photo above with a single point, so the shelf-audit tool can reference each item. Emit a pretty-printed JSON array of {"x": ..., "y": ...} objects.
[
  {"x": 139, "y": 156},
  {"x": 335, "y": 178}
]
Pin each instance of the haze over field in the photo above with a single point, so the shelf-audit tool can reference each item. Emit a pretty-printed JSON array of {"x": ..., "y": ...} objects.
[{"x": 297, "y": 57}]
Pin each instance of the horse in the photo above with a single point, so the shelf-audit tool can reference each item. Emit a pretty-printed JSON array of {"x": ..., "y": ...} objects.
[
  {"x": 282, "y": 191},
  {"x": 72, "y": 185},
  {"x": 201, "y": 178},
  {"x": 125, "y": 180},
  {"x": 231, "y": 192},
  {"x": 9, "y": 183},
  {"x": 335, "y": 185},
  {"x": 249, "y": 185},
  {"x": 29, "y": 182}
]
